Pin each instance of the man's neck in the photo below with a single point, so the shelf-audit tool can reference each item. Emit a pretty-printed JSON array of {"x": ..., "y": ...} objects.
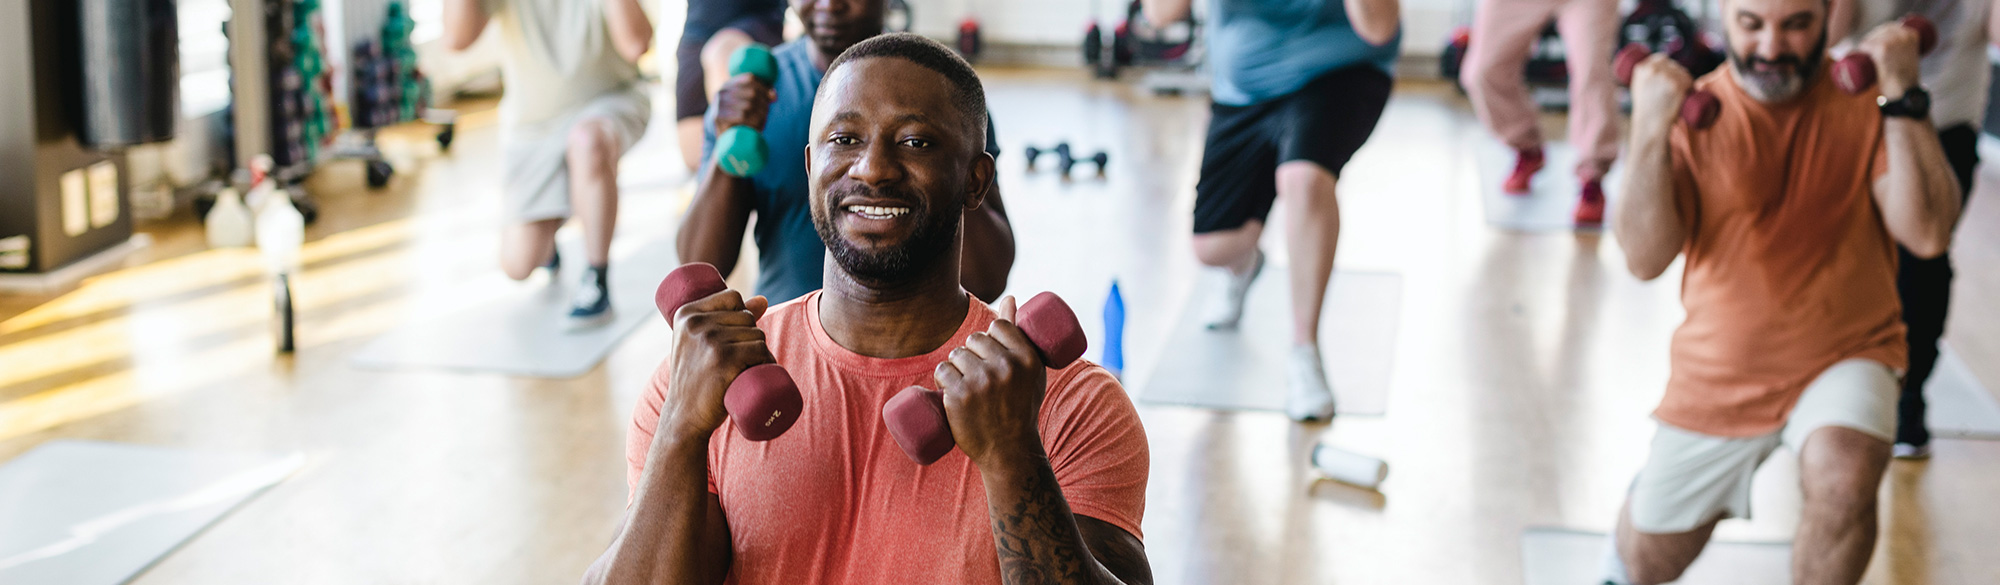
[{"x": 892, "y": 320}]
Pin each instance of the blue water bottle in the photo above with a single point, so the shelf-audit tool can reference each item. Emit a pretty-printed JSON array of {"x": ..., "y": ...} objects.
[{"x": 1114, "y": 332}]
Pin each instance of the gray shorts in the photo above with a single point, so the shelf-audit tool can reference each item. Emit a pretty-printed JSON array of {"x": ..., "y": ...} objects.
[
  {"x": 1691, "y": 478},
  {"x": 536, "y": 156}
]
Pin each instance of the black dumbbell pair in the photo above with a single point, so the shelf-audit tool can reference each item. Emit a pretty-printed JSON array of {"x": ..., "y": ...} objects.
[{"x": 1066, "y": 160}]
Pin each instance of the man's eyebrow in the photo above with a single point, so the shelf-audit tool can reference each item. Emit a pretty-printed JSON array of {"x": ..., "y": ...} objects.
[{"x": 853, "y": 116}]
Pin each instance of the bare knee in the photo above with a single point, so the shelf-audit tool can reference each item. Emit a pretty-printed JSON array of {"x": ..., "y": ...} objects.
[
  {"x": 1841, "y": 471},
  {"x": 591, "y": 149},
  {"x": 1227, "y": 247},
  {"x": 1307, "y": 185},
  {"x": 523, "y": 248},
  {"x": 517, "y": 266}
]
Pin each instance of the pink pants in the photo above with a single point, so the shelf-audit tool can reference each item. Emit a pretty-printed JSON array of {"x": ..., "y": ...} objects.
[{"x": 1503, "y": 34}]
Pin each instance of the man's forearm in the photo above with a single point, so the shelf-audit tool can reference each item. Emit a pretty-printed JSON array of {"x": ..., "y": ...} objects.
[
  {"x": 631, "y": 31},
  {"x": 987, "y": 257},
  {"x": 1649, "y": 228},
  {"x": 664, "y": 539},
  {"x": 1921, "y": 204},
  {"x": 712, "y": 229},
  {"x": 464, "y": 20},
  {"x": 1034, "y": 530}
]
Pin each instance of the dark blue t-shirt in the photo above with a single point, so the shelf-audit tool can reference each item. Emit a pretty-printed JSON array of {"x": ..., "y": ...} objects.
[
  {"x": 791, "y": 256},
  {"x": 704, "y": 17}
]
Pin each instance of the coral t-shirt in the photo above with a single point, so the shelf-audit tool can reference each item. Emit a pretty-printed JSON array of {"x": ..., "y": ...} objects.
[
  {"x": 835, "y": 501},
  {"x": 1789, "y": 266}
]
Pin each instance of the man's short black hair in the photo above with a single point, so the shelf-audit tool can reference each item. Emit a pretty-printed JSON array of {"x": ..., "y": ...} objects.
[{"x": 967, "y": 94}]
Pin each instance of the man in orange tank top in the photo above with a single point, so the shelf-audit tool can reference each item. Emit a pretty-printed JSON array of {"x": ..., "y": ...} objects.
[
  {"x": 1048, "y": 480},
  {"x": 1788, "y": 210}
]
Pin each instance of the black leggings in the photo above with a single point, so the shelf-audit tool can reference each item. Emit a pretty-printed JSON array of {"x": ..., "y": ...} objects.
[{"x": 1925, "y": 286}]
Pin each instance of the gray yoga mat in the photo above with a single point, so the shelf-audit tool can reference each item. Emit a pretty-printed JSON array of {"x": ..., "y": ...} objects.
[
  {"x": 91, "y": 513},
  {"x": 1549, "y": 206},
  {"x": 1244, "y": 369},
  {"x": 1960, "y": 407},
  {"x": 494, "y": 325},
  {"x": 1561, "y": 556}
]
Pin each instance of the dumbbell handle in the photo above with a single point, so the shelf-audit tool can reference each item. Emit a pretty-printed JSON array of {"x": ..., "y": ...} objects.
[
  {"x": 1855, "y": 73},
  {"x": 1698, "y": 110},
  {"x": 762, "y": 399},
  {"x": 740, "y": 150},
  {"x": 916, "y": 416}
]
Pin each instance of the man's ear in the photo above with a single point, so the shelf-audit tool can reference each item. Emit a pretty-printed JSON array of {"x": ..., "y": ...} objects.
[
  {"x": 980, "y": 180},
  {"x": 809, "y": 161}
]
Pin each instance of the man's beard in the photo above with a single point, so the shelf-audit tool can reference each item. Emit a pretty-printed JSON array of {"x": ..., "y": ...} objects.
[
  {"x": 1781, "y": 84},
  {"x": 934, "y": 236}
]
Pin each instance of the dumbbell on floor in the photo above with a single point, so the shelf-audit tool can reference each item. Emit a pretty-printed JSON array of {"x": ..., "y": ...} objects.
[
  {"x": 916, "y": 417},
  {"x": 762, "y": 399},
  {"x": 741, "y": 150},
  {"x": 1855, "y": 73},
  {"x": 1698, "y": 109}
]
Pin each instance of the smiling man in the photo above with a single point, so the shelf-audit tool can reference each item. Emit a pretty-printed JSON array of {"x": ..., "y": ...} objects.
[
  {"x": 789, "y": 254},
  {"x": 1049, "y": 479},
  {"x": 1789, "y": 210}
]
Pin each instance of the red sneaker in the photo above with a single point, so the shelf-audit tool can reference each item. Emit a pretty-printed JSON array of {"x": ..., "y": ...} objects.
[
  {"x": 1526, "y": 163},
  {"x": 1590, "y": 207}
]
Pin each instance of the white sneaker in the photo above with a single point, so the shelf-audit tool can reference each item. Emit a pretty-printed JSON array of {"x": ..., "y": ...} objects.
[
  {"x": 1910, "y": 451},
  {"x": 1227, "y": 310},
  {"x": 1310, "y": 399}
]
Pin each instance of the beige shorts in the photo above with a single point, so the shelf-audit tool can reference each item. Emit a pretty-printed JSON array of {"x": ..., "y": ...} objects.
[
  {"x": 537, "y": 156},
  {"x": 1692, "y": 478}
]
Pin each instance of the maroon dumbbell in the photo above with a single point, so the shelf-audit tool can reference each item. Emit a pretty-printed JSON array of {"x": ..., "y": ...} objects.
[
  {"x": 1855, "y": 73},
  {"x": 762, "y": 399},
  {"x": 915, "y": 416},
  {"x": 1698, "y": 109}
]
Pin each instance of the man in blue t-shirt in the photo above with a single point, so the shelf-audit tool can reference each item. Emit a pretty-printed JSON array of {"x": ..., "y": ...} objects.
[
  {"x": 790, "y": 253},
  {"x": 1298, "y": 86}
]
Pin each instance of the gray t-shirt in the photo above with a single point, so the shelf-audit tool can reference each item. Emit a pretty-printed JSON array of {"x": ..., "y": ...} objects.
[
  {"x": 791, "y": 257},
  {"x": 1956, "y": 73},
  {"x": 555, "y": 56}
]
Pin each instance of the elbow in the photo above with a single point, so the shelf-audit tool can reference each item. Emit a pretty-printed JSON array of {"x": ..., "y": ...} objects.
[
  {"x": 635, "y": 47},
  {"x": 460, "y": 40},
  {"x": 1931, "y": 246},
  {"x": 1379, "y": 35},
  {"x": 1647, "y": 267}
]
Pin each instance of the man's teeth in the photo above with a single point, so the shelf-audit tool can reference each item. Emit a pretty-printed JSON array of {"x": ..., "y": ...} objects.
[{"x": 873, "y": 212}]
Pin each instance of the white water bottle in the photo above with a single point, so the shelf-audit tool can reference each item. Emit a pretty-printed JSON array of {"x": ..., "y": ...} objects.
[
  {"x": 1349, "y": 467},
  {"x": 228, "y": 223},
  {"x": 281, "y": 232}
]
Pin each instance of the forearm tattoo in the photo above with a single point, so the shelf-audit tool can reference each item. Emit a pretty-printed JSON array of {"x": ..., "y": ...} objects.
[{"x": 1037, "y": 536}]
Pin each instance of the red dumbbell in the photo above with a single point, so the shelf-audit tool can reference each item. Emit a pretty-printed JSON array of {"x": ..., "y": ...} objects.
[
  {"x": 1698, "y": 109},
  {"x": 763, "y": 399},
  {"x": 915, "y": 416},
  {"x": 1855, "y": 73}
]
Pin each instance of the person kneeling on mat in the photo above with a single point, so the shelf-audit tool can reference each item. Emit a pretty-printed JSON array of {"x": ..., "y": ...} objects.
[
  {"x": 1789, "y": 208},
  {"x": 572, "y": 109},
  {"x": 1049, "y": 474},
  {"x": 790, "y": 256}
]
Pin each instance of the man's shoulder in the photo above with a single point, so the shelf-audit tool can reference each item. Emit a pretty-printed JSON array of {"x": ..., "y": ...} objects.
[{"x": 1086, "y": 386}]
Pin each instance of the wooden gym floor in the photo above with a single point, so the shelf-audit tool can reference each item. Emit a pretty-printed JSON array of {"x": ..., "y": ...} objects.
[{"x": 1524, "y": 370}]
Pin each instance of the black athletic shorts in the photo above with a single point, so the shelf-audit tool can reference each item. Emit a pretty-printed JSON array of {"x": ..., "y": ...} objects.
[
  {"x": 1323, "y": 122},
  {"x": 690, "y": 98}
]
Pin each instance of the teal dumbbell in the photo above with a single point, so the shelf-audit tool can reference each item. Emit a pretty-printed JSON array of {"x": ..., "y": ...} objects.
[{"x": 740, "y": 150}]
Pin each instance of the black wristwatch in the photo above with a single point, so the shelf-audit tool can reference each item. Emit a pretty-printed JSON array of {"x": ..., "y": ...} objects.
[{"x": 1915, "y": 104}]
